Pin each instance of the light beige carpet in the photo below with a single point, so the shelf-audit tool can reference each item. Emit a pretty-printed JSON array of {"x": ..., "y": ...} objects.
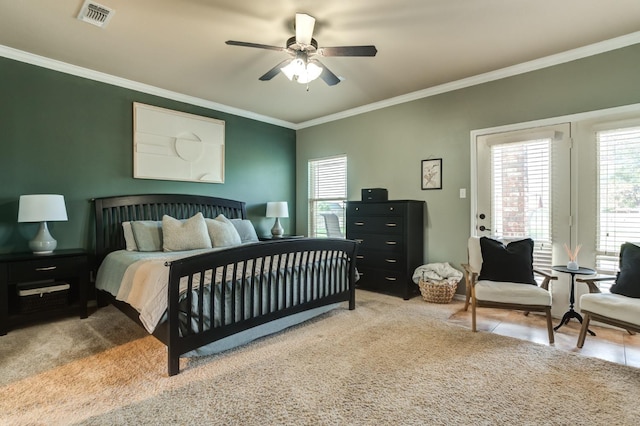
[{"x": 388, "y": 362}]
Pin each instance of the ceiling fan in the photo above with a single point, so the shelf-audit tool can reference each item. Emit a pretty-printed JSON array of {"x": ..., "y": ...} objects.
[{"x": 303, "y": 66}]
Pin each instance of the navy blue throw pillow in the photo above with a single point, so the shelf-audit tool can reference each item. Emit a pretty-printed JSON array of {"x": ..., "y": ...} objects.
[
  {"x": 628, "y": 279},
  {"x": 510, "y": 263}
]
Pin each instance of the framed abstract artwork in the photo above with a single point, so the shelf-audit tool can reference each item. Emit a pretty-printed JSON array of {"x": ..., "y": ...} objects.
[
  {"x": 432, "y": 174},
  {"x": 173, "y": 145}
]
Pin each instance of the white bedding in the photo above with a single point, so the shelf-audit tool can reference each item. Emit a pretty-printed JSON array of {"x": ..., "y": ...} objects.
[{"x": 141, "y": 280}]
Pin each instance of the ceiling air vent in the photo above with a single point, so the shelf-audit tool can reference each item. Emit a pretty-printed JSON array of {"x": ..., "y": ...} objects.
[{"x": 95, "y": 14}]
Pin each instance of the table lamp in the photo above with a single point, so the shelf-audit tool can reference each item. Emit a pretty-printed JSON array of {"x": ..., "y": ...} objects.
[
  {"x": 277, "y": 209},
  {"x": 42, "y": 208}
]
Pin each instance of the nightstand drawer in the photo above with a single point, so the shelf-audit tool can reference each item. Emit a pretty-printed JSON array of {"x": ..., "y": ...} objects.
[{"x": 41, "y": 269}]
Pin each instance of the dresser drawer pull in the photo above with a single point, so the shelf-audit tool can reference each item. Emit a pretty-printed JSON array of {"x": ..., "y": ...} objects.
[
  {"x": 391, "y": 278},
  {"x": 359, "y": 256},
  {"x": 391, "y": 243},
  {"x": 46, "y": 268},
  {"x": 391, "y": 224},
  {"x": 359, "y": 223},
  {"x": 390, "y": 260}
]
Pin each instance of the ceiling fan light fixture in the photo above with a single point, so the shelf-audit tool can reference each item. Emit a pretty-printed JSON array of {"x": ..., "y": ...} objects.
[{"x": 297, "y": 70}]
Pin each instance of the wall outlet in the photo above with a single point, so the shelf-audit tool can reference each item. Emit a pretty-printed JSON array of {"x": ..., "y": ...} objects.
[{"x": 463, "y": 192}]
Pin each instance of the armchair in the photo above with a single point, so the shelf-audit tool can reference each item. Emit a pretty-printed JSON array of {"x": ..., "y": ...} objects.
[
  {"x": 499, "y": 276},
  {"x": 621, "y": 307}
]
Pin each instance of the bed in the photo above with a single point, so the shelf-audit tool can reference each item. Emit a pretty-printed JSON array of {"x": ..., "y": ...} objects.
[{"x": 206, "y": 296}]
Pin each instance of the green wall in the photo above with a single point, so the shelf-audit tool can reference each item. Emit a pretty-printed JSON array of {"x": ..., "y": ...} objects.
[
  {"x": 73, "y": 136},
  {"x": 385, "y": 147}
]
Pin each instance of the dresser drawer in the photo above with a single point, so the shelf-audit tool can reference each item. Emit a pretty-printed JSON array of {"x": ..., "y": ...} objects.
[
  {"x": 42, "y": 269},
  {"x": 380, "y": 259},
  {"x": 389, "y": 243},
  {"x": 367, "y": 209},
  {"x": 375, "y": 224},
  {"x": 393, "y": 281}
]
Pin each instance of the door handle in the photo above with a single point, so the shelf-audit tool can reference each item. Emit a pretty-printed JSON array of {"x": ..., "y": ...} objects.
[{"x": 484, "y": 228}]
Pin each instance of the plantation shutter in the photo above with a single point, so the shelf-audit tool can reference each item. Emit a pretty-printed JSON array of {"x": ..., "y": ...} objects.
[
  {"x": 327, "y": 192},
  {"x": 618, "y": 211}
]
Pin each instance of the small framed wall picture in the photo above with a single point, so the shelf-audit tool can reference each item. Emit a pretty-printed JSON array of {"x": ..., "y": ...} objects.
[{"x": 432, "y": 174}]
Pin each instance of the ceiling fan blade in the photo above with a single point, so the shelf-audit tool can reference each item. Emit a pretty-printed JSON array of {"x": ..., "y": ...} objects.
[
  {"x": 274, "y": 71},
  {"x": 256, "y": 45},
  {"x": 330, "y": 78},
  {"x": 348, "y": 51},
  {"x": 304, "y": 28}
]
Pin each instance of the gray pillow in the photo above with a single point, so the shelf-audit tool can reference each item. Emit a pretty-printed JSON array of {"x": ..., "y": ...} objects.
[
  {"x": 147, "y": 234},
  {"x": 129, "y": 239},
  {"x": 189, "y": 234},
  {"x": 245, "y": 229},
  {"x": 222, "y": 232}
]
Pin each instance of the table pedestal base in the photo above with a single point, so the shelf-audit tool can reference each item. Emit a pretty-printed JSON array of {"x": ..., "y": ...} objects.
[{"x": 567, "y": 316}]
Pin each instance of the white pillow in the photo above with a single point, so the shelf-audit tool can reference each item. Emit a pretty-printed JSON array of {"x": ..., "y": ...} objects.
[
  {"x": 147, "y": 235},
  {"x": 245, "y": 229},
  {"x": 129, "y": 239},
  {"x": 190, "y": 234},
  {"x": 222, "y": 232}
]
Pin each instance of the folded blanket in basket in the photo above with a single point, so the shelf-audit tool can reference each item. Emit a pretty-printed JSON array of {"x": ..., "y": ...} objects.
[{"x": 436, "y": 272}]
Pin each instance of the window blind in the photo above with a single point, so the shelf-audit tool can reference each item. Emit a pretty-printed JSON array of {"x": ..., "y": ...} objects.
[
  {"x": 327, "y": 192},
  {"x": 521, "y": 197},
  {"x": 618, "y": 210}
]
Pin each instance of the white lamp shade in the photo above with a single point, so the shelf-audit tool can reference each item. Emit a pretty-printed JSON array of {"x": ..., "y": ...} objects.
[
  {"x": 277, "y": 209},
  {"x": 42, "y": 208}
]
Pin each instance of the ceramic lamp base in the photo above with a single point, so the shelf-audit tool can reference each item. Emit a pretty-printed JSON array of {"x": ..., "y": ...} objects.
[
  {"x": 277, "y": 231},
  {"x": 43, "y": 242}
]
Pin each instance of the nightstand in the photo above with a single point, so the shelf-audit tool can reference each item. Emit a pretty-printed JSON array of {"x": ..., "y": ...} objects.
[{"x": 24, "y": 275}]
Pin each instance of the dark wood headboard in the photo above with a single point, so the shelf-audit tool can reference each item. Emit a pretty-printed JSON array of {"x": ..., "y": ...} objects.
[{"x": 112, "y": 211}]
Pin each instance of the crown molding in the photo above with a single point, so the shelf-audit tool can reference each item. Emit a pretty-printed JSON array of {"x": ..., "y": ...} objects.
[
  {"x": 90, "y": 74},
  {"x": 537, "y": 64}
]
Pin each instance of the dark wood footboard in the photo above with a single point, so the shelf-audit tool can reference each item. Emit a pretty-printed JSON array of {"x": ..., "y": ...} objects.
[{"x": 256, "y": 284}]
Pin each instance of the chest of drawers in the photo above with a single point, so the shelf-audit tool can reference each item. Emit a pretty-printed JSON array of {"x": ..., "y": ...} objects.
[{"x": 391, "y": 237}]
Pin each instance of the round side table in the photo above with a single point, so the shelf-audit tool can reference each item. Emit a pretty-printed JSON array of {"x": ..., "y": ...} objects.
[{"x": 571, "y": 313}]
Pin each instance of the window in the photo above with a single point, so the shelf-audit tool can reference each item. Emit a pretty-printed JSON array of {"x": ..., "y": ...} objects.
[
  {"x": 618, "y": 212},
  {"x": 327, "y": 192},
  {"x": 521, "y": 203}
]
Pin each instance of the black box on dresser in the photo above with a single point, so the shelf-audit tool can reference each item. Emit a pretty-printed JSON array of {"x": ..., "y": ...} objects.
[
  {"x": 374, "y": 194},
  {"x": 391, "y": 238}
]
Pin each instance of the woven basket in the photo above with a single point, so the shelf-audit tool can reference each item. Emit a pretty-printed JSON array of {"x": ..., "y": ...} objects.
[{"x": 438, "y": 291}]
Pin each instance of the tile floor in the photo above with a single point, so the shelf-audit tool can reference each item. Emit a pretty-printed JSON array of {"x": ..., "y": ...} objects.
[{"x": 611, "y": 344}]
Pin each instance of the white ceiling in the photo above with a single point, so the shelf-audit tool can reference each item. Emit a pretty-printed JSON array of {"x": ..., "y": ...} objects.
[{"x": 179, "y": 45}]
